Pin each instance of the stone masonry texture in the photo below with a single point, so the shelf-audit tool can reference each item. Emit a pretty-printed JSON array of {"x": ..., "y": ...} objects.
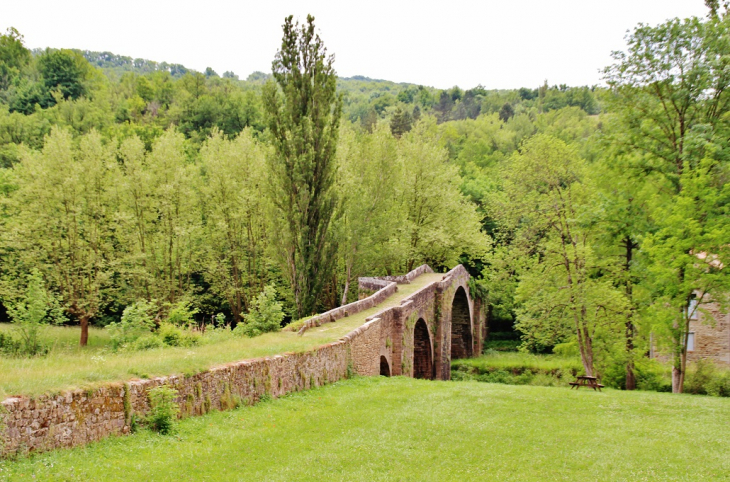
[{"x": 78, "y": 417}]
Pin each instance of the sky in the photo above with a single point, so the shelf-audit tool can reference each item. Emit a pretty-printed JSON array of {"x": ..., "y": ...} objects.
[{"x": 499, "y": 44}]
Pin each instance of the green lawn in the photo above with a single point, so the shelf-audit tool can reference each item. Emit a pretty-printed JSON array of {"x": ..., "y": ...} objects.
[
  {"x": 68, "y": 366},
  {"x": 403, "y": 429}
]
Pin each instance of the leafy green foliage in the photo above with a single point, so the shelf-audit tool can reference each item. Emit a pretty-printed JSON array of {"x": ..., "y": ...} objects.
[
  {"x": 36, "y": 308},
  {"x": 264, "y": 316},
  {"x": 706, "y": 379},
  {"x": 137, "y": 320},
  {"x": 181, "y": 314},
  {"x": 163, "y": 409},
  {"x": 65, "y": 71},
  {"x": 14, "y": 57},
  {"x": 304, "y": 118},
  {"x": 171, "y": 335},
  {"x": 682, "y": 64},
  {"x": 546, "y": 206}
]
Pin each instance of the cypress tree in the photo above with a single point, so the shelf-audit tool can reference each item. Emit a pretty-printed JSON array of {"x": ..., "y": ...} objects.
[{"x": 304, "y": 115}]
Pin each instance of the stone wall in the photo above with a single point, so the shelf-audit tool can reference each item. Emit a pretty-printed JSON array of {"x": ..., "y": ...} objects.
[
  {"x": 385, "y": 289},
  {"x": 407, "y": 278},
  {"x": 79, "y": 417},
  {"x": 711, "y": 336}
]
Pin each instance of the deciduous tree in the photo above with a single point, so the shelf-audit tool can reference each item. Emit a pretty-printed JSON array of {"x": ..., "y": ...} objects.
[
  {"x": 672, "y": 99},
  {"x": 65, "y": 221}
]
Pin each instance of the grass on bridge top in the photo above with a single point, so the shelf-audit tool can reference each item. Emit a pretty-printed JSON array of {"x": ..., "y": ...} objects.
[
  {"x": 374, "y": 429},
  {"x": 69, "y": 366}
]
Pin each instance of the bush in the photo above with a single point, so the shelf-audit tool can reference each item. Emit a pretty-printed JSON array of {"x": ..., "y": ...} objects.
[
  {"x": 136, "y": 321},
  {"x": 181, "y": 314},
  {"x": 567, "y": 350},
  {"x": 37, "y": 308},
  {"x": 652, "y": 375},
  {"x": 265, "y": 315},
  {"x": 719, "y": 386},
  {"x": 163, "y": 409},
  {"x": 146, "y": 342},
  {"x": 173, "y": 336},
  {"x": 614, "y": 374},
  {"x": 504, "y": 335},
  {"x": 9, "y": 345},
  {"x": 704, "y": 378}
]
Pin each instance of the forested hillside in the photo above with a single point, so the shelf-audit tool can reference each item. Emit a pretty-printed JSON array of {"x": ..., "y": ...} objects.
[{"x": 591, "y": 217}]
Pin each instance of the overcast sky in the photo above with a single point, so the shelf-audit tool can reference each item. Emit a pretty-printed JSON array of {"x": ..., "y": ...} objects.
[{"x": 499, "y": 44}]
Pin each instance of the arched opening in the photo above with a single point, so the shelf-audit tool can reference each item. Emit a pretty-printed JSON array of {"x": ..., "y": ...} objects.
[
  {"x": 461, "y": 339},
  {"x": 422, "y": 358},
  {"x": 384, "y": 366}
]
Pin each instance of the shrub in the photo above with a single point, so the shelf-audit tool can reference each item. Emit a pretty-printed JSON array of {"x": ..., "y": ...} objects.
[
  {"x": 704, "y": 378},
  {"x": 136, "y": 321},
  {"x": 651, "y": 375},
  {"x": 146, "y": 342},
  {"x": 614, "y": 375},
  {"x": 181, "y": 314},
  {"x": 697, "y": 377},
  {"x": 171, "y": 335},
  {"x": 516, "y": 369},
  {"x": 719, "y": 386},
  {"x": 38, "y": 307},
  {"x": 8, "y": 344},
  {"x": 163, "y": 409},
  {"x": 265, "y": 315},
  {"x": 566, "y": 350}
]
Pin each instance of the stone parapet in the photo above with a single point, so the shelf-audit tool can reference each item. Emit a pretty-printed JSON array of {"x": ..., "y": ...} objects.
[{"x": 351, "y": 308}]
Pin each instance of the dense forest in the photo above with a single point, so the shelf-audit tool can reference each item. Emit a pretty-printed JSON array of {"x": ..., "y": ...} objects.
[{"x": 591, "y": 218}]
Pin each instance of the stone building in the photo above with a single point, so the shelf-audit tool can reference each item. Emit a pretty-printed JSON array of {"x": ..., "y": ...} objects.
[{"x": 709, "y": 335}]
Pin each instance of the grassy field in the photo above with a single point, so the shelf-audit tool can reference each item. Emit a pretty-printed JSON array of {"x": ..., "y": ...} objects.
[
  {"x": 403, "y": 429},
  {"x": 68, "y": 366},
  {"x": 517, "y": 368},
  {"x": 517, "y": 362}
]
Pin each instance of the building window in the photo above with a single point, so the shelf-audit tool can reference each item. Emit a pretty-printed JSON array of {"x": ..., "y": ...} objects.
[
  {"x": 691, "y": 342},
  {"x": 692, "y": 310}
]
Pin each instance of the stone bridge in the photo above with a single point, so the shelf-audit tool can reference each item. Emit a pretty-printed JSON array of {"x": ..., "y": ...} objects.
[
  {"x": 417, "y": 337},
  {"x": 421, "y": 336}
]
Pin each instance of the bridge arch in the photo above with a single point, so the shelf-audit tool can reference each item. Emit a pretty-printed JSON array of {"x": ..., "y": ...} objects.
[
  {"x": 384, "y": 366},
  {"x": 462, "y": 340},
  {"x": 422, "y": 351}
]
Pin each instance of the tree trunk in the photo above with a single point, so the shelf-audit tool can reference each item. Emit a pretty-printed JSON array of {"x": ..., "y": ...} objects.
[
  {"x": 679, "y": 367},
  {"x": 630, "y": 329},
  {"x": 677, "y": 379},
  {"x": 84, "y": 330},
  {"x": 586, "y": 356},
  {"x": 347, "y": 287},
  {"x": 584, "y": 345},
  {"x": 630, "y": 375}
]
